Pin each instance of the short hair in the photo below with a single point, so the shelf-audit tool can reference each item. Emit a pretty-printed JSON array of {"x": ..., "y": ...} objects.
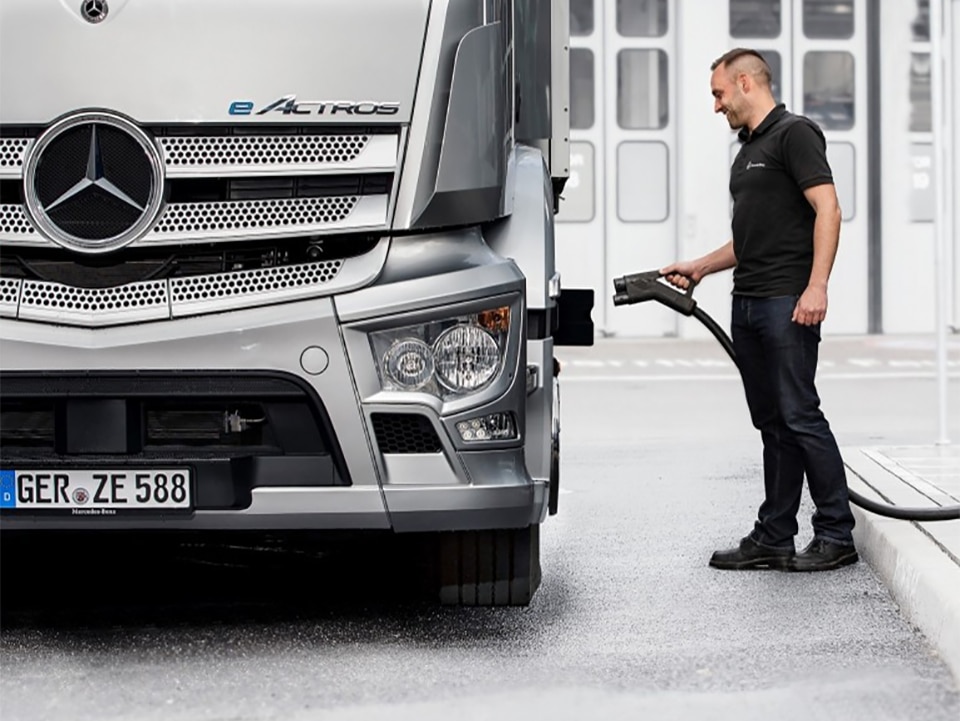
[{"x": 730, "y": 58}]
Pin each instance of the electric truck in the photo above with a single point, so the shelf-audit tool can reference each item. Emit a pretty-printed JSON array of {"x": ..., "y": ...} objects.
[{"x": 287, "y": 266}]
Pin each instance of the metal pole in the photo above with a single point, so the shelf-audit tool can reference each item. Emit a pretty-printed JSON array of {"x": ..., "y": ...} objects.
[
  {"x": 874, "y": 177},
  {"x": 939, "y": 71},
  {"x": 951, "y": 33}
]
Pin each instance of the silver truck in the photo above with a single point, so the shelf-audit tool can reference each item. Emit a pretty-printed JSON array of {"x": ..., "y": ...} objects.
[{"x": 287, "y": 266}]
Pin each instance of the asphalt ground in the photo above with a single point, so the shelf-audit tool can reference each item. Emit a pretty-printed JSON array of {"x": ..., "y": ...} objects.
[{"x": 658, "y": 471}]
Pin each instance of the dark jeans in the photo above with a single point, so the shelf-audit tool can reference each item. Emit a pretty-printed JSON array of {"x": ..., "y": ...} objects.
[{"x": 778, "y": 363}]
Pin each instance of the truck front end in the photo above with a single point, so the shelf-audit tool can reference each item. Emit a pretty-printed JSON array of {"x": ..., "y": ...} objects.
[{"x": 280, "y": 267}]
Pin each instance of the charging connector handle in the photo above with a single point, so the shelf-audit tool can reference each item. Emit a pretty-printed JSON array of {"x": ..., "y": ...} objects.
[{"x": 640, "y": 287}]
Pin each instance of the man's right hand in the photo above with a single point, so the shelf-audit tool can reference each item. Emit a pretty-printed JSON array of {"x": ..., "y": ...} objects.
[
  {"x": 687, "y": 273},
  {"x": 681, "y": 274}
]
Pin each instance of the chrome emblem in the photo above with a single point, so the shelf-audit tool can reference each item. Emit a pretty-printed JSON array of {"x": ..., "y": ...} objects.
[
  {"x": 93, "y": 182},
  {"x": 94, "y": 11}
]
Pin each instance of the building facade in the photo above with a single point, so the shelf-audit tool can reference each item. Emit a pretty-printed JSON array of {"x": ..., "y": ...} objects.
[{"x": 650, "y": 161}]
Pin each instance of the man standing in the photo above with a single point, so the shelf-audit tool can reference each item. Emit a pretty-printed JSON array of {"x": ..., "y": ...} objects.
[{"x": 786, "y": 228}]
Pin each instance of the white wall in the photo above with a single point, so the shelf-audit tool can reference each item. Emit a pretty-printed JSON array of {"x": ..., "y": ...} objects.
[{"x": 703, "y": 155}]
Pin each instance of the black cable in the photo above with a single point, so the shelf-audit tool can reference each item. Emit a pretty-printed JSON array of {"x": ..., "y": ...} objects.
[
  {"x": 942, "y": 513},
  {"x": 717, "y": 332},
  {"x": 641, "y": 287}
]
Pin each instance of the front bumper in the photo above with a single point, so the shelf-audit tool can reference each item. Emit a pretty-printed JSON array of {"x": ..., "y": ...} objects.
[{"x": 445, "y": 487}]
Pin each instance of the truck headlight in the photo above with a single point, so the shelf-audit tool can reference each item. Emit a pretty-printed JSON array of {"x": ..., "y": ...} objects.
[
  {"x": 447, "y": 357},
  {"x": 409, "y": 363},
  {"x": 467, "y": 357}
]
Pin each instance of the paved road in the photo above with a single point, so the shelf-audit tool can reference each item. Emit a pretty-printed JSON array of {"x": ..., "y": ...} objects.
[{"x": 629, "y": 620}]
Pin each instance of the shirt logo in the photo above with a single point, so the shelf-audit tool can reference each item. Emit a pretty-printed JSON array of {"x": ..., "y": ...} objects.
[{"x": 751, "y": 165}]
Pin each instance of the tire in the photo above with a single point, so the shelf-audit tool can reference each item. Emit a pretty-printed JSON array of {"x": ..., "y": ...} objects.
[
  {"x": 488, "y": 568},
  {"x": 553, "y": 499}
]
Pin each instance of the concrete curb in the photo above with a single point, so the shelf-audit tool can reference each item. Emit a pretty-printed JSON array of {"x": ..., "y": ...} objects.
[{"x": 921, "y": 576}]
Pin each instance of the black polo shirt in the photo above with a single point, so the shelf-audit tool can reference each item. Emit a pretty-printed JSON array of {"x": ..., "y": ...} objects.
[{"x": 772, "y": 220}]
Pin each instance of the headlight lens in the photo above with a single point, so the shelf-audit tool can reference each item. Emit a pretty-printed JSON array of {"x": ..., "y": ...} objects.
[
  {"x": 467, "y": 357},
  {"x": 409, "y": 363},
  {"x": 447, "y": 357}
]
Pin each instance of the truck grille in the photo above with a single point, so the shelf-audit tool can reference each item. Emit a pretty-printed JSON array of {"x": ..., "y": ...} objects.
[
  {"x": 12, "y": 151},
  {"x": 135, "y": 287},
  {"x": 405, "y": 433},
  {"x": 239, "y": 183},
  {"x": 252, "y": 216},
  {"x": 260, "y": 150}
]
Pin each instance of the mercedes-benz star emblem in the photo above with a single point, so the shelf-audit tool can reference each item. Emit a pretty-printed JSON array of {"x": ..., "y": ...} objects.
[
  {"x": 93, "y": 182},
  {"x": 94, "y": 11},
  {"x": 94, "y": 176}
]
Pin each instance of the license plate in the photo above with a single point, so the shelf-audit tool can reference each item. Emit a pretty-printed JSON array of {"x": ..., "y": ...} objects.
[{"x": 96, "y": 492}]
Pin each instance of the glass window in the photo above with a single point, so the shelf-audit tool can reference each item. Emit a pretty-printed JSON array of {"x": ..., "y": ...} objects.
[
  {"x": 642, "y": 89},
  {"x": 923, "y": 199},
  {"x": 920, "y": 100},
  {"x": 577, "y": 200},
  {"x": 921, "y": 21},
  {"x": 642, "y": 18},
  {"x": 828, "y": 87},
  {"x": 581, "y": 88},
  {"x": 754, "y": 18},
  {"x": 643, "y": 176},
  {"x": 828, "y": 18},
  {"x": 773, "y": 60},
  {"x": 581, "y": 17},
  {"x": 843, "y": 163}
]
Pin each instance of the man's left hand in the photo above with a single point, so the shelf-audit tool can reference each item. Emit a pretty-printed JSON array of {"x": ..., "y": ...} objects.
[{"x": 812, "y": 306}]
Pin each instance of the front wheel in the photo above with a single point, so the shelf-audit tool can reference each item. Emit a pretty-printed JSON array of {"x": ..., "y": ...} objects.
[{"x": 488, "y": 568}]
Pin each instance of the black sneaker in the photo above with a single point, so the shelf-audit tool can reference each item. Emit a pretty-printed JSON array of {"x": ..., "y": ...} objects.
[
  {"x": 751, "y": 555},
  {"x": 823, "y": 555}
]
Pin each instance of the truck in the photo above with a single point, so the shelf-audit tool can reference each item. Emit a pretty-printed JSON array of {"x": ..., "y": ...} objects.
[{"x": 287, "y": 266}]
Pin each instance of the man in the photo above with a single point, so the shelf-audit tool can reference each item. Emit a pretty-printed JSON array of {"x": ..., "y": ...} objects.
[{"x": 786, "y": 228}]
